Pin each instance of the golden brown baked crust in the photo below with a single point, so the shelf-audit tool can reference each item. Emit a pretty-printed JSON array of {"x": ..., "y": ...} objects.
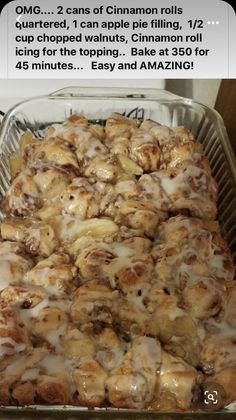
[{"x": 116, "y": 286}]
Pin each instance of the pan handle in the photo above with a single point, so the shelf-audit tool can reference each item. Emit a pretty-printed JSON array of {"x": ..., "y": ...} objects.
[{"x": 110, "y": 92}]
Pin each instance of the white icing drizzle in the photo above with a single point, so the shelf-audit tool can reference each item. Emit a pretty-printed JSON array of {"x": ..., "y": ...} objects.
[
  {"x": 16, "y": 367},
  {"x": 54, "y": 337},
  {"x": 30, "y": 374},
  {"x": 26, "y": 315},
  {"x": 8, "y": 346}
]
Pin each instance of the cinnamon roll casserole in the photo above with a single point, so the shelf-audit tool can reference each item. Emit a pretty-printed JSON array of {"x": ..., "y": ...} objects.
[{"x": 116, "y": 285}]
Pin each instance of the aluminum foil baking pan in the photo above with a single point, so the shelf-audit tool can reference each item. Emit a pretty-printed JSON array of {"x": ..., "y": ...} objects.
[{"x": 97, "y": 104}]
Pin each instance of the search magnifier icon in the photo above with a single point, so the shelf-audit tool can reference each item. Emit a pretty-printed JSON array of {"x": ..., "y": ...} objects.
[{"x": 211, "y": 397}]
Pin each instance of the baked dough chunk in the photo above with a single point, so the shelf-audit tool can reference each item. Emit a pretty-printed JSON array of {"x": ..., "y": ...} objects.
[
  {"x": 80, "y": 198},
  {"x": 52, "y": 379},
  {"x": 225, "y": 379},
  {"x": 53, "y": 390},
  {"x": 23, "y": 296},
  {"x": 13, "y": 265},
  {"x": 34, "y": 188},
  {"x": 204, "y": 254},
  {"x": 94, "y": 302},
  {"x": 176, "y": 329},
  {"x": 47, "y": 324},
  {"x": 68, "y": 229},
  {"x": 110, "y": 349},
  {"x": 132, "y": 383},
  {"x": 145, "y": 151},
  {"x": 76, "y": 345},
  {"x": 177, "y": 146},
  {"x": 77, "y": 131},
  {"x": 119, "y": 126},
  {"x": 17, "y": 373},
  {"x": 204, "y": 297},
  {"x": 132, "y": 319},
  {"x": 180, "y": 229},
  {"x": 90, "y": 378},
  {"x": 116, "y": 263},
  {"x": 175, "y": 190},
  {"x": 38, "y": 237},
  {"x": 23, "y": 196},
  {"x": 53, "y": 151},
  {"x": 218, "y": 352},
  {"x": 13, "y": 335},
  {"x": 176, "y": 384},
  {"x": 189, "y": 188},
  {"x": 55, "y": 273}
]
